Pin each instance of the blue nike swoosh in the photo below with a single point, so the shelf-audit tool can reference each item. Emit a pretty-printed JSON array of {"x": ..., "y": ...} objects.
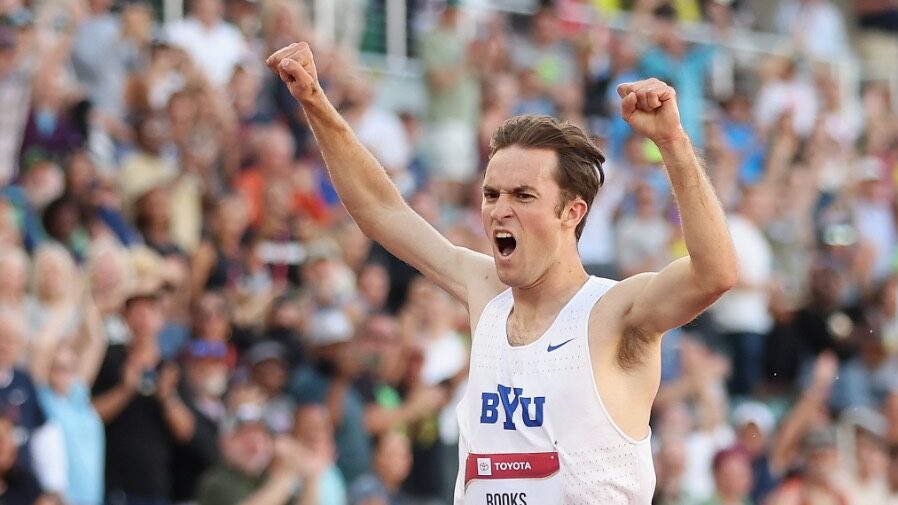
[{"x": 553, "y": 347}]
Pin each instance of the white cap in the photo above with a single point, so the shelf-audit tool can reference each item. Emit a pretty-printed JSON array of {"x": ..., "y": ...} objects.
[
  {"x": 330, "y": 326},
  {"x": 757, "y": 413}
]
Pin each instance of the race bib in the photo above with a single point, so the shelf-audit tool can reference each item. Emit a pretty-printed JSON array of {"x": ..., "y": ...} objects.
[{"x": 512, "y": 479}]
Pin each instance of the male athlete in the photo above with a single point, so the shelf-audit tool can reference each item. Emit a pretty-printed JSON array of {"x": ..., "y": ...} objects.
[{"x": 564, "y": 366}]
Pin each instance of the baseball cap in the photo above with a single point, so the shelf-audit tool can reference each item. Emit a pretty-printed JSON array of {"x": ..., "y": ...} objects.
[
  {"x": 205, "y": 349},
  {"x": 757, "y": 413},
  {"x": 264, "y": 351},
  {"x": 245, "y": 413},
  {"x": 330, "y": 326}
]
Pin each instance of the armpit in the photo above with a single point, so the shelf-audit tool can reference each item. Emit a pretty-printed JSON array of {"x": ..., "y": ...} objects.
[{"x": 632, "y": 347}]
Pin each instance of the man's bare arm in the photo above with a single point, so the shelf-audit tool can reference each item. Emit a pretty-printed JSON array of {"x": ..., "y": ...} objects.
[
  {"x": 682, "y": 290},
  {"x": 368, "y": 194}
]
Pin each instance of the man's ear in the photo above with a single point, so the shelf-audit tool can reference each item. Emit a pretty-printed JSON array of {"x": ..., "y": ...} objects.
[{"x": 574, "y": 212}]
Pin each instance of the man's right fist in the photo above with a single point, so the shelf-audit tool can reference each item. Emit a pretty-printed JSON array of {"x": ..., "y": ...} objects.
[{"x": 296, "y": 67}]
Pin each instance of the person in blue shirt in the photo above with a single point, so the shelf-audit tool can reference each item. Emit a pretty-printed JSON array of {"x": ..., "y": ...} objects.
[
  {"x": 684, "y": 67},
  {"x": 63, "y": 373}
]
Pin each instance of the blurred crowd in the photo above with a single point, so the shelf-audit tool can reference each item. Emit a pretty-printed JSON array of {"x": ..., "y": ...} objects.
[{"x": 187, "y": 315}]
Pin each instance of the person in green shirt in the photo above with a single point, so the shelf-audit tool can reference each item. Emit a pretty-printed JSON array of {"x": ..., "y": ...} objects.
[{"x": 258, "y": 468}]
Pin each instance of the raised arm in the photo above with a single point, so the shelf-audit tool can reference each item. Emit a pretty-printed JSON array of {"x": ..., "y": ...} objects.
[
  {"x": 371, "y": 198},
  {"x": 677, "y": 294}
]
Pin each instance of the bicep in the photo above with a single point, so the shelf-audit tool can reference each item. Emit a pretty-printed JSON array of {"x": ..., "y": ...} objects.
[
  {"x": 463, "y": 273},
  {"x": 668, "y": 299}
]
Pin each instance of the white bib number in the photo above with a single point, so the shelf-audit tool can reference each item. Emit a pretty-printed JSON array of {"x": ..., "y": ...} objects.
[{"x": 512, "y": 479}]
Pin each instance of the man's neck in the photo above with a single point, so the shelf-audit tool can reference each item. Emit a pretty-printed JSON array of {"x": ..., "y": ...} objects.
[{"x": 546, "y": 297}]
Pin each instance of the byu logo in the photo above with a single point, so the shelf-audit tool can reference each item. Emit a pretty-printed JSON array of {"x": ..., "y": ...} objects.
[{"x": 510, "y": 399}]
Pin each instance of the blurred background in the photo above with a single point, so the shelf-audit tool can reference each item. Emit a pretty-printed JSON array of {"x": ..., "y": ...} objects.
[{"x": 187, "y": 314}]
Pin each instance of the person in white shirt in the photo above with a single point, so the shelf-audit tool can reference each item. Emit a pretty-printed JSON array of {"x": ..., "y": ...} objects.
[
  {"x": 214, "y": 45},
  {"x": 742, "y": 315},
  {"x": 564, "y": 367}
]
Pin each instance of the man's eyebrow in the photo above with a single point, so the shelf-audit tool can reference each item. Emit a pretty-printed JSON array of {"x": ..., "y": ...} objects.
[{"x": 524, "y": 189}]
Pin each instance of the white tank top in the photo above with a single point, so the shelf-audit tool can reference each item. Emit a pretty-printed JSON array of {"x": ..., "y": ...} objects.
[{"x": 541, "y": 398}]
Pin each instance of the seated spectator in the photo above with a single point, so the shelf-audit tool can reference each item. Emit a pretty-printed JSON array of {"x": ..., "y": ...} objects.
[
  {"x": 390, "y": 465},
  {"x": 258, "y": 468}
]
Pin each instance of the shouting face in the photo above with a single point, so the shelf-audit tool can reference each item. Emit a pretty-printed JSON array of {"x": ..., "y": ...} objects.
[{"x": 520, "y": 212}]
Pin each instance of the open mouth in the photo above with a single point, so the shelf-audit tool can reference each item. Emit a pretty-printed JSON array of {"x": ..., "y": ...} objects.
[{"x": 505, "y": 243}]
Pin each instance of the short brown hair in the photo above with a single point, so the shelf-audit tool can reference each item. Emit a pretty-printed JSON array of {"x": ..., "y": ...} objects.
[{"x": 579, "y": 172}]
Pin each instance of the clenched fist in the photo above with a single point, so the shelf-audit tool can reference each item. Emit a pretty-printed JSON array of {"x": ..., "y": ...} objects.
[
  {"x": 295, "y": 66},
  {"x": 650, "y": 107}
]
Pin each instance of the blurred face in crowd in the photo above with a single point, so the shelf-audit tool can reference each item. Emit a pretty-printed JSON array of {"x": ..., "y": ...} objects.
[
  {"x": 212, "y": 317},
  {"x": 153, "y": 134},
  {"x": 820, "y": 465},
  {"x": 12, "y": 333},
  {"x": 145, "y": 318},
  {"x": 545, "y": 28},
  {"x": 645, "y": 201},
  {"x": 671, "y": 461},
  {"x": 733, "y": 476},
  {"x": 231, "y": 219},
  {"x": 14, "y": 265},
  {"x": 276, "y": 149},
  {"x": 752, "y": 439},
  {"x": 107, "y": 271},
  {"x": 54, "y": 272},
  {"x": 154, "y": 209},
  {"x": 249, "y": 448},
  {"x": 43, "y": 183},
  {"x": 380, "y": 342},
  {"x": 315, "y": 429},
  {"x": 374, "y": 285},
  {"x": 79, "y": 175},
  {"x": 207, "y": 371},
  {"x": 667, "y": 34},
  {"x": 208, "y": 11},
  {"x": 63, "y": 369},
  {"x": 522, "y": 197},
  {"x": 270, "y": 375},
  {"x": 62, "y": 218},
  {"x": 392, "y": 459}
]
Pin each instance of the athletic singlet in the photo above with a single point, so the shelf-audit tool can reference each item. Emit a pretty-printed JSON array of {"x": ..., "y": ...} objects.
[{"x": 533, "y": 427}]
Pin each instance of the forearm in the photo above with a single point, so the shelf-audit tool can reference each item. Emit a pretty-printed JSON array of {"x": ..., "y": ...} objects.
[
  {"x": 359, "y": 179},
  {"x": 310, "y": 492},
  {"x": 276, "y": 490},
  {"x": 111, "y": 403},
  {"x": 179, "y": 419},
  {"x": 705, "y": 232}
]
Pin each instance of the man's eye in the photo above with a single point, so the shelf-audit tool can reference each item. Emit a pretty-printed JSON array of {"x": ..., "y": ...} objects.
[
  {"x": 525, "y": 196},
  {"x": 490, "y": 195}
]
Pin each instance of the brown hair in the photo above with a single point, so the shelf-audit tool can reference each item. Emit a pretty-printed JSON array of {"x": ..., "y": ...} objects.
[{"x": 579, "y": 172}]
